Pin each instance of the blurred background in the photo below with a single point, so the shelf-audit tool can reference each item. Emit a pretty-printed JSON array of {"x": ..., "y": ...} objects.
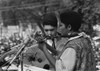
[{"x": 19, "y": 18}]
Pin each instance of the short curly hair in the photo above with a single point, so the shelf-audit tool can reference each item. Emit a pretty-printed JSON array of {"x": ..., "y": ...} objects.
[
  {"x": 50, "y": 19},
  {"x": 71, "y": 18}
]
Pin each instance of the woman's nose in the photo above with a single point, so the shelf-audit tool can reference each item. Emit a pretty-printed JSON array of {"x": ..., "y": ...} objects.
[{"x": 49, "y": 32}]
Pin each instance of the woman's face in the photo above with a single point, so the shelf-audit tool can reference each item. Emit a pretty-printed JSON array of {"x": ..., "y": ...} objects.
[
  {"x": 62, "y": 30},
  {"x": 49, "y": 30}
]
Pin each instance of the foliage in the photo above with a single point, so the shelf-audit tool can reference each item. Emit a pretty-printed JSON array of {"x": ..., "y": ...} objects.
[
  {"x": 87, "y": 8},
  {"x": 25, "y": 11},
  {"x": 30, "y": 11}
]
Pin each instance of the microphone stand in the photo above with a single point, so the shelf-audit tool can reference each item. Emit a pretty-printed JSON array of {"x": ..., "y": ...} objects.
[
  {"x": 18, "y": 53},
  {"x": 21, "y": 61}
]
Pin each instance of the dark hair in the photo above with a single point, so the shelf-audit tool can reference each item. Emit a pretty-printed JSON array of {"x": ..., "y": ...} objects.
[
  {"x": 71, "y": 18},
  {"x": 50, "y": 19}
]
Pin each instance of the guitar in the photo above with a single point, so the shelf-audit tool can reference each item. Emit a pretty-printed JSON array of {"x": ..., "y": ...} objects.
[
  {"x": 40, "y": 59},
  {"x": 25, "y": 68}
]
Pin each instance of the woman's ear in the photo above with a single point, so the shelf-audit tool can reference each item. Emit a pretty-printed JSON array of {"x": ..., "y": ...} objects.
[{"x": 69, "y": 27}]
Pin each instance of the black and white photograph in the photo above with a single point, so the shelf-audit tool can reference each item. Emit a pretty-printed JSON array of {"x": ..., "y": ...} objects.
[{"x": 49, "y": 35}]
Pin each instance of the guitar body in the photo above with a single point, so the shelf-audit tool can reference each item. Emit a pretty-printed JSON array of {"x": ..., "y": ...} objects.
[
  {"x": 32, "y": 56},
  {"x": 35, "y": 57},
  {"x": 25, "y": 68}
]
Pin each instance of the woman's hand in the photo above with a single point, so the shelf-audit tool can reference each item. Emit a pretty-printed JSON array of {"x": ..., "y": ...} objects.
[{"x": 39, "y": 38}]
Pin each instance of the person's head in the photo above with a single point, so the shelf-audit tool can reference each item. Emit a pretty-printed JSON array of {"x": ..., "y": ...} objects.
[
  {"x": 49, "y": 23},
  {"x": 72, "y": 20}
]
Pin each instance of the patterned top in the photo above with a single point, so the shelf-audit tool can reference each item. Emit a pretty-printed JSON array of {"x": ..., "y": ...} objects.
[{"x": 84, "y": 57}]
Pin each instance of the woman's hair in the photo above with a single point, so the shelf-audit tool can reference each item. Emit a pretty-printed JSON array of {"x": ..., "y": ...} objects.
[
  {"x": 71, "y": 18},
  {"x": 50, "y": 19}
]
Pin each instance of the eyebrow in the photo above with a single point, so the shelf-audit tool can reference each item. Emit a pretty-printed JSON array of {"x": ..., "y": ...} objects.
[{"x": 48, "y": 29}]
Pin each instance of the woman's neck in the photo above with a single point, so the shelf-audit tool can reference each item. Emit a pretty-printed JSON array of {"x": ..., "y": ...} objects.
[{"x": 72, "y": 33}]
